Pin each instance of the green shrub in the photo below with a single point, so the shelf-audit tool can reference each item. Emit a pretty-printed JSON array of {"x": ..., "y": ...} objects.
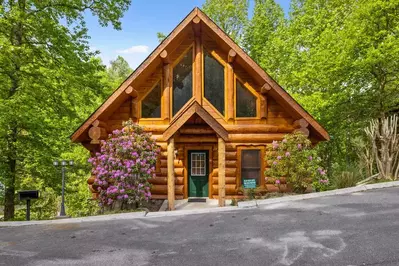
[
  {"x": 346, "y": 179},
  {"x": 296, "y": 160}
]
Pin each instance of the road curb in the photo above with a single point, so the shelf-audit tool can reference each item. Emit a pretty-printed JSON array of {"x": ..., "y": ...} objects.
[
  {"x": 342, "y": 191},
  {"x": 241, "y": 205}
]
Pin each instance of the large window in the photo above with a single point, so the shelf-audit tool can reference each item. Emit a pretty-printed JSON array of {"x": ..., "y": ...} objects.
[
  {"x": 151, "y": 105},
  {"x": 183, "y": 81},
  {"x": 245, "y": 101},
  {"x": 214, "y": 82},
  {"x": 251, "y": 165}
]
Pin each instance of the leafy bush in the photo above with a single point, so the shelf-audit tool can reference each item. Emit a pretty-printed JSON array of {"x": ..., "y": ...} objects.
[
  {"x": 124, "y": 165},
  {"x": 296, "y": 160}
]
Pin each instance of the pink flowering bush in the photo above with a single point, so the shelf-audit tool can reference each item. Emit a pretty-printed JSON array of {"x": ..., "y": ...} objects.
[
  {"x": 124, "y": 165},
  {"x": 294, "y": 159}
]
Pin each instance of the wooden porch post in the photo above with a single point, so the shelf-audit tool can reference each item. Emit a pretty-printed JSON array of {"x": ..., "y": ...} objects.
[
  {"x": 171, "y": 174},
  {"x": 221, "y": 172}
]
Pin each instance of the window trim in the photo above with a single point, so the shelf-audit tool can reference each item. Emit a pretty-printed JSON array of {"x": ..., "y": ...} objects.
[
  {"x": 262, "y": 150},
  {"x": 160, "y": 82},
  {"x": 218, "y": 58},
  {"x": 254, "y": 93},
  {"x": 172, "y": 66}
]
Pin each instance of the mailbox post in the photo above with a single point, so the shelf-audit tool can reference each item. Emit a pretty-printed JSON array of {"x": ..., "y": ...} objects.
[{"x": 28, "y": 195}]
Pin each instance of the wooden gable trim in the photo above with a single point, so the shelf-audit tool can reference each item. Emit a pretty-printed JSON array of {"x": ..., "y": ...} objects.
[
  {"x": 277, "y": 91},
  {"x": 118, "y": 96},
  {"x": 195, "y": 108}
]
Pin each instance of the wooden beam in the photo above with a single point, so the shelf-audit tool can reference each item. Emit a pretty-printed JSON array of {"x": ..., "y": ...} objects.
[
  {"x": 231, "y": 56},
  {"x": 221, "y": 172},
  {"x": 255, "y": 138},
  {"x": 263, "y": 107},
  {"x": 300, "y": 123},
  {"x": 135, "y": 110},
  {"x": 230, "y": 94},
  {"x": 165, "y": 57},
  {"x": 96, "y": 134},
  {"x": 198, "y": 64},
  {"x": 171, "y": 174},
  {"x": 166, "y": 93},
  {"x": 99, "y": 123},
  {"x": 303, "y": 130},
  {"x": 265, "y": 88},
  {"x": 131, "y": 91}
]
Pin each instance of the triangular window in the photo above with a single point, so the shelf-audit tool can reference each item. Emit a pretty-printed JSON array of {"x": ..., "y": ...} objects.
[
  {"x": 245, "y": 101},
  {"x": 214, "y": 82},
  {"x": 151, "y": 104},
  {"x": 183, "y": 81}
]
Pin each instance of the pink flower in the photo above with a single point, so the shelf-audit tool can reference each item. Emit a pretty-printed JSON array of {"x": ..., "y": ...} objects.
[
  {"x": 275, "y": 162},
  {"x": 310, "y": 158},
  {"x": 299, "y": 146},
  {"x": 278, "y": 181},
  {"x": 287, "y": 154},
  {"x": 279, "y": 157},
  {"x": 284, "y": 141}
]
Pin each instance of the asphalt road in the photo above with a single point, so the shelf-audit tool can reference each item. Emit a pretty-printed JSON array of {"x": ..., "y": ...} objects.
[{"x": 356, "y": 229}]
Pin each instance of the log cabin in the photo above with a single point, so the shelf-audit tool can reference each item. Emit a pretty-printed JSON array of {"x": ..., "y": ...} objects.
[{"x": 210, "y": 108}]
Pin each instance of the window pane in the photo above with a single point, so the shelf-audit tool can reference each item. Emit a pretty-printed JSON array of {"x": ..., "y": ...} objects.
[
  {"x": 183, "y": 81},
  {"x": 250, "y": 165},
  {"x": 151, "y": 105},
  {"x": 198, "y": 167},
  {"x": 245, "y": 102},
  {"x": 214, "y": 82}
]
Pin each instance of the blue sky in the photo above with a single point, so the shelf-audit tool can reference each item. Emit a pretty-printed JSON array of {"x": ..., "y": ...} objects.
[{"x": 140, "y": 25}]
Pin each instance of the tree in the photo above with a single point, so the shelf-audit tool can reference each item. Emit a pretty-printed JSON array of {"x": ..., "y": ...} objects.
[
  {"x": 230, "y": 15},
  {"x": 118, "y": 71},
  {"x": 161, "y": 36},
  {"x": 262, "y": 33},
  {"x": 48, "y": 79}
]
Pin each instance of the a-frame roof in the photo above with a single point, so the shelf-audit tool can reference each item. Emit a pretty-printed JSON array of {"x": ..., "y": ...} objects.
[
  {"x": 195, "y": 108},
  {"x": 276, "y": 91}
]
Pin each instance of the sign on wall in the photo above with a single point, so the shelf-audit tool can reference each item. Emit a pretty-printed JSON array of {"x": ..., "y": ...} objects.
[{"x": 249, "y": 183}]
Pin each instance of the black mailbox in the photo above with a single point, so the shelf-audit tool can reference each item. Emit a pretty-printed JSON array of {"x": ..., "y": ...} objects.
[{"x": 28, "y": 194}]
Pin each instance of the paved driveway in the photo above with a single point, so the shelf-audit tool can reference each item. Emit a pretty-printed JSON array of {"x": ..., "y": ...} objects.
[{"x": 356, "y": 229}]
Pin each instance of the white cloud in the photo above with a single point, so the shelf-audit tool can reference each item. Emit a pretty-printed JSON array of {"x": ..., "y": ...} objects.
[{"x": 135, "y": 49}]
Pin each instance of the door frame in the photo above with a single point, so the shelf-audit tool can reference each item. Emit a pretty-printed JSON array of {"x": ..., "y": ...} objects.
[{"x": 196, "y": 147}]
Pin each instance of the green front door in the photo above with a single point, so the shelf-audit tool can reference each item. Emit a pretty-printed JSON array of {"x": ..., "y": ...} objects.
[{"x": 198, "y": 171}]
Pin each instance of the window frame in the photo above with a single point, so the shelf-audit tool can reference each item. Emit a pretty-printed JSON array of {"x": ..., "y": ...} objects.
[
  {"x": 262, "y": 150},
  {"x": 160, "y": 82},
  {"x": 218, "y": 58},
  {"x": 172, "y": 66},
  {"x": 253, "y": 92}
]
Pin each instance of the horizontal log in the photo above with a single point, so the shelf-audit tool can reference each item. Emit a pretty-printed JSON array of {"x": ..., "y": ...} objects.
[
  {"x": 154, "y": 128},
  {"x": 229, "y": 155},
  {"x": 160, "y": 196},
  {"x": 228, "y": 163},
  {"x": 231, "y": 189},
  {"x": 228, "y": 172},
  {"x": 178, "y": 171},
  {"x": 228, "y": 180},
  {"x": 120, "y": 116},
  {"x": 196, "y": 130},
  {"x": 163, "y": 180},
  {"x": 258, "y": 128},
  {"x": 157, "y": 137},
  {"x": 163, "y": 189},
  {"x": 176, "y": 163},
  {"x": 196, "y": 138},
  {"x": 256, "y": 137}
]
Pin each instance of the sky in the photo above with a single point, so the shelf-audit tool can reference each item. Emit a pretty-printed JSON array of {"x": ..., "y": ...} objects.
[{"x": 140, "y": 25}]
